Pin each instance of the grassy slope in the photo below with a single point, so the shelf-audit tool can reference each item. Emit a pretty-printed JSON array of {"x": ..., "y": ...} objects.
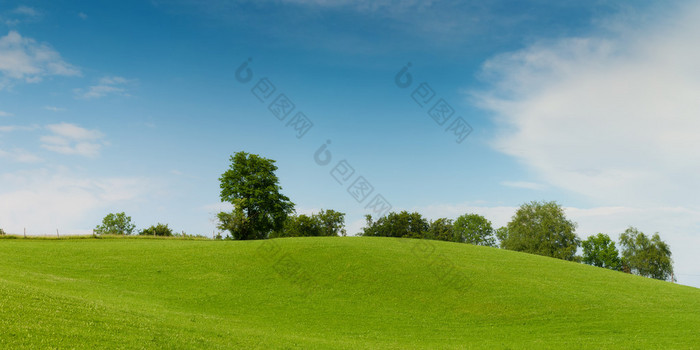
[{"x": 326, "y": 293}]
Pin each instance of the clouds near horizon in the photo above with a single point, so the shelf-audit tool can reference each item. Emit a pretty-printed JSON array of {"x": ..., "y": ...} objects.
[
  {"x": 611, "y": 117},
  {"x": 43, "y": 200}
]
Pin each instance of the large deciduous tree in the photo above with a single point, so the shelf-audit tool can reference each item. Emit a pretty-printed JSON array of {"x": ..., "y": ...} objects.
[
  {"x": 541, "y": 228},
  {"x": 646, "y": 257},
  {"x": 116, "y": 224},
  {"x": 474, "y": 229},
  {"x": 250, "y": 184},
  {"x": 600, "y": 250}
]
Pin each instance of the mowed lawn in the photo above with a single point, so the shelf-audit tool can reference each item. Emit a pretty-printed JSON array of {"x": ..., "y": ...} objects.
[{"x": 309, "y": 293}]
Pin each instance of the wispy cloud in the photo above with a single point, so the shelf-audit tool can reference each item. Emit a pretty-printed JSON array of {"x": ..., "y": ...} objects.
[
  {"x": 11, "y": 128},
  {"x": 24, "y": 59},
  {"x": 54, "y": 109},
  {"x": 26, "y": 11},
  {"x": 106, "y": 86},
  {"x": 395, "y": 26},
  {"x": 20, "y": 155},
  {"x": 5, "y": 114},
  {"x": 82, "y": 15},
  {"x": 368, "y": 5},
  {"x": 613, "y": 117},
  {"x": 523, "y": 184},
  {"x": 20, "y": 14},
  {"x": 71, "y": 139}
]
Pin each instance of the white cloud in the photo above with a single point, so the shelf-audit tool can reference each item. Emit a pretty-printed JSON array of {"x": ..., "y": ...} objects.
[
  {"x": 23, "y": 59},
  {"x": 71, "y": 139},
  {"x": 523, "y": 184},
  {"x": 5, "y": 114},
  {"x": 106, "y": 86},
  {"x": 43, "y": 200},
  {"x": 614, "y": 118},
  {"x": 82, "y": 15}
]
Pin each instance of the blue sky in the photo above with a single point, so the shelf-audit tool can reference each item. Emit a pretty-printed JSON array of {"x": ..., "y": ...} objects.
[{"x": 135, "y": 106}]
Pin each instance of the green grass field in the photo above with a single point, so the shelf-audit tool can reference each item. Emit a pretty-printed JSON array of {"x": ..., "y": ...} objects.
[{"x": 309, "y": 293}]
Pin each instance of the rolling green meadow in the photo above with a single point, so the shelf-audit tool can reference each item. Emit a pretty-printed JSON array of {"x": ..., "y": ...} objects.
[{"x": 323, "y": 293}]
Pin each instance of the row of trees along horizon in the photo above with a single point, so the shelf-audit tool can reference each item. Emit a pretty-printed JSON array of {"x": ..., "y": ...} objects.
[{"x": 261, "y": 211}]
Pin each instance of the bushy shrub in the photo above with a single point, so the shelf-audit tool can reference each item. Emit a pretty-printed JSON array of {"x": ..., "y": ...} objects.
[
  {"x": 468, "y": 228},
  {"x": 403, "y": 224},
  {"x": 157, "y": 230},
  {"x": 299, "y": 226},
  {"x": 325, "y": 223},
  {"x": 235, "y": 222},
  {"x": 2, "y": 232},
  {"x": 184, "y": 234}
]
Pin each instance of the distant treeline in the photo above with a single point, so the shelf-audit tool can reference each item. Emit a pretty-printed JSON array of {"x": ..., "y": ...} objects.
[{"x": 261, "y": 212}]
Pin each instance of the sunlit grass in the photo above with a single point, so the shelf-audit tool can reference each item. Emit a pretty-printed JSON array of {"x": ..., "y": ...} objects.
[{"x": 312, "y": 293}]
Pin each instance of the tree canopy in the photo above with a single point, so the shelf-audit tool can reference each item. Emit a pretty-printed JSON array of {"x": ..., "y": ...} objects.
[
  {"x": 403, "y": 224},
  {"x": 644, "y": 256},
  {"x": 474, "y": 229},
  {"x": 116, "y": 224},
  {"x": 441, "y": 230},
  {"x": 541, "y": 228},
  {"x": 600, "y": 250},
  {"x": 250, "y": 184},
  {"x": 332, "y": 222},
  {"x": 325, "y": 223}
]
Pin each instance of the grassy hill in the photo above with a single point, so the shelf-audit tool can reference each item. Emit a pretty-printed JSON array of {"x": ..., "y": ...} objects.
[{"x": 310, "y": 293}]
